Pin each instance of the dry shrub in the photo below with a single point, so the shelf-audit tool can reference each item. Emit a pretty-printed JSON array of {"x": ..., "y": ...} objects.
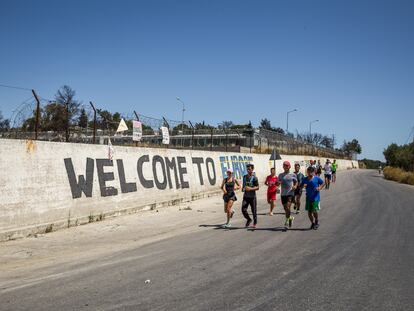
[{"x": 399, "y": 175}]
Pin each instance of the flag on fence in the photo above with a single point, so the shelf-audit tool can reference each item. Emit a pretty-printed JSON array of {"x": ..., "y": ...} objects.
[
  {"x": 122, "y": 126},
  {"x": 165, "y": 135},
  {"x": 111, "y": 150},
  {"x": 136, "y": 130}
]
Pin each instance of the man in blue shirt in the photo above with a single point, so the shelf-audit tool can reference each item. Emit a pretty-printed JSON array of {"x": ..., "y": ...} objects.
[{"x": 313, "y": 185}]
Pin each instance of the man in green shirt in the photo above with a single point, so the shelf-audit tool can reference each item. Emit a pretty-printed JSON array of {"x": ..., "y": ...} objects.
[{"x": 334, "y": 168}]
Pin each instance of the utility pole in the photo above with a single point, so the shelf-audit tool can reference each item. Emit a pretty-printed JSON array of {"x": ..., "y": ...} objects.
[
  {"x": 67, "y": 121},
  {"x": 37, "y": 113},
  {"x": 136, "y": 115}
]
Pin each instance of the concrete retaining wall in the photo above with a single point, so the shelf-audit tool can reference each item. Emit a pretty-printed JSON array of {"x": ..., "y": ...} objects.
[{"x": 45, "y": 186}]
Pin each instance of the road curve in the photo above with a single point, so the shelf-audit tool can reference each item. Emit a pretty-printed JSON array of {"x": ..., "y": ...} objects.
[{"x": 361, "y": 258}]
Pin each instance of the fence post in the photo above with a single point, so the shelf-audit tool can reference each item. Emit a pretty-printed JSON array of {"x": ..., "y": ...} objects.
[
  {"x": 37, "y": 113},
  {"x": 192, "y": 134},
  {"x": 67, "y": 122},
  {"x": 136, "y": 115},
  {"x": 227, "y": 138},
  {"x": 211, "y": 145},
  {"x": 94, "y": 122}
]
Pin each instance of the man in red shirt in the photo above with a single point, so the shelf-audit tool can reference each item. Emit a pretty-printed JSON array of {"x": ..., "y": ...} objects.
[{"x": 271, "y": 189}]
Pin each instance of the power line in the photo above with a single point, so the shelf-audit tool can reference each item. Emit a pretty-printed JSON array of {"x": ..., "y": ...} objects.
[
  {"x": 409, "y": 136},
  {"x": 15, "y": 87}
]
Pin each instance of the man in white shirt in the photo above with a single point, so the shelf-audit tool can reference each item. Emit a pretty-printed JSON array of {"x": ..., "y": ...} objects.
[{"x": 328, "y": 173}]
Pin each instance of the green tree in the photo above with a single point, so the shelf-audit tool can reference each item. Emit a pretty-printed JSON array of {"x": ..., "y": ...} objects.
[
  {"x": 65, "y": 96},
  {"x": 83, "y": 119},
  {"x": 390, "y": 154},
  {"x": 278, "y": 130},
  {"x": 352, "y": 147},
  {"x": 4, "y": 123},
  {"x": 265, "y": 124},
  {"x": 53, "y": 117},
  {"x": 180, "y": 127},
  {"x": 327, "y": 142}
]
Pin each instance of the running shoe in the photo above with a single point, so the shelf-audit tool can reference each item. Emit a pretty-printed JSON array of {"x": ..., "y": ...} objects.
[
  {"x": 297, "y": 211},
  {"x": 270, "y": 214},
  {"x": 290, "y": 221},
  {"x": 316, "y": 226},
  {"x": 254, "y": 226},
  {"x": 312, "y": 226},
  {"x": 248, "y": 223}
]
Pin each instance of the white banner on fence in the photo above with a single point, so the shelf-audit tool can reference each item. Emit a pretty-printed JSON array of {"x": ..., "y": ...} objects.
[
  {"x": 122, "y": 126},
  {"x": 136, "y": 130},
  {"x": 165, "y": 135}
]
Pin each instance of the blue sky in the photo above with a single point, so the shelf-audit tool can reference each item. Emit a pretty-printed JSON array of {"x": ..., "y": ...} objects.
[{"x": 349, "y": 64}]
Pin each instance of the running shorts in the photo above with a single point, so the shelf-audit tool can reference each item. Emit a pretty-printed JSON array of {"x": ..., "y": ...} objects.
[
  {"x": 312, "y": 206},
  {"x": 271, "y": 196},
  {"x": 229, "y": 196},
  {"x": 286, "y": 198},
  {"x": 329, "y": 176},
  {"x": 298, "y": 191}
]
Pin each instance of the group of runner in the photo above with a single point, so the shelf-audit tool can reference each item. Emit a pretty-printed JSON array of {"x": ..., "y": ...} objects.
[{"x": 291, "y": 185}]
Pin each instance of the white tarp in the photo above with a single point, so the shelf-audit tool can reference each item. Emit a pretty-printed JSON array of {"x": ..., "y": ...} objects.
[
  {"x": 136, "y": 130},
  {"x": 122, "y": 126},
  {"x": 165, "y": 135}
]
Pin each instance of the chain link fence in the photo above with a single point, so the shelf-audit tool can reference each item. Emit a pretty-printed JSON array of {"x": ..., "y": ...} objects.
[
  {"x": 100, "y": 127},
  {"x": 186, "y": 137}
]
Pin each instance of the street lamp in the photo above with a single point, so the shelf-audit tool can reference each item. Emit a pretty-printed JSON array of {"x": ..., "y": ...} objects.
[
  {"x": 310, "y": 126},
  {"x": 182, "y": 119},
  {"x": 287, "y": 120}
]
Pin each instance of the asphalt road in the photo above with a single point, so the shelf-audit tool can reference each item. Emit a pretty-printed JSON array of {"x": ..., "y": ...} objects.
[{"x": 361, "y": 258}]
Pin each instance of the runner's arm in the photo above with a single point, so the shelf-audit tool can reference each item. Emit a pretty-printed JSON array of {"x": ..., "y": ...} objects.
[
  {"x": 222, "y": 186},
  {"x": 321, "y": 185},
  {"x": 237, "y": 183}
]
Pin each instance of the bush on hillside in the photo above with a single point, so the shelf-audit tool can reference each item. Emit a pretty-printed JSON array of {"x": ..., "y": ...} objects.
[{"x": 399, "y": 175}]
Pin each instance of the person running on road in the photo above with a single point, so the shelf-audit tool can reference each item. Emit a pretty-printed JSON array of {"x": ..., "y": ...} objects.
[
  {"x": 334, "y": 168},
  {"x": 270, "y": 182},
  {"x": 250, "y": 186},
  {"x": 318, "y": 168},
  {"x": 313, "y": 186},
  {"x": 328, "y": 173},
  {"x": 298, "y": 190},
  {"x": 229, "y": 185},
  {"x": 288, "y": 182}
]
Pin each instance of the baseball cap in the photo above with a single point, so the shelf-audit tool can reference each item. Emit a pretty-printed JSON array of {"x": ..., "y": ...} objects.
[
  {"x": 229, "y": 170},
  {"x": 287, "y": 163}
]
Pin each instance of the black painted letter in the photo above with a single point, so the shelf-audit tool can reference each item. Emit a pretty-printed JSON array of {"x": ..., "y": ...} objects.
[
  {"x": 144, "y": 182},
  {"x": 82, "y": 184},
  {"x": 211, "y": 179},
  {"x": 104, "y": 177},
  {"x": 125, "y": 187},
  {"x": 182, "y": 171},
  {"x": 199, "y": 161},
  {"x": 171, "y": 165},
  {"x": 160, "y": 185}
]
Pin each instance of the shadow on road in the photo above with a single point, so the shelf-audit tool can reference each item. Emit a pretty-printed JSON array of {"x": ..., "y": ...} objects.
[
  {"x": 267, "y": 214},
  {"x": 282, "y": 229}
]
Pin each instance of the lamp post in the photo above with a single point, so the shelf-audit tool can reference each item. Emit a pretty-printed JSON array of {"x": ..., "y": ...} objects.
[
  {"x": 182, "y": 120},
  {"x": 310, "y": 126},
  {"x": 287, "y": 119}
]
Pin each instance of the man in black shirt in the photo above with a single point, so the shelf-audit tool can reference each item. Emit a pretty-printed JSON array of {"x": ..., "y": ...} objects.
[{"x": 250, "y": 186}]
